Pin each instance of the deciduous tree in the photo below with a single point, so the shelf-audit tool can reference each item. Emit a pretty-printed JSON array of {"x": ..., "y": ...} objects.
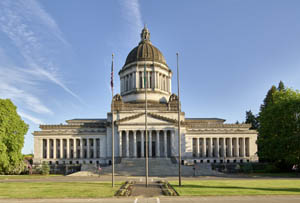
[{"x": 12, "y": 132}]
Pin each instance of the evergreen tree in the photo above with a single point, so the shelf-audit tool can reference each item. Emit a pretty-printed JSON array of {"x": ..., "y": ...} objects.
[
  {"x": 12, "y": 131},
  {"x": 279, "y": 129},
  {"x": 251, "y": 119},
  {"x": 280, "y": 86},
  {"x": 269, "y": 98}
]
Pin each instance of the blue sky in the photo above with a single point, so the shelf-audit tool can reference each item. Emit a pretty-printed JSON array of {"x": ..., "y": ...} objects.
[{"x": 55, "y": 55}]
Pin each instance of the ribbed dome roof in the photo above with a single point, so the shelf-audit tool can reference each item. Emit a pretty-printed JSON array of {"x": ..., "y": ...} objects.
[{"x": 145, "y": 51}]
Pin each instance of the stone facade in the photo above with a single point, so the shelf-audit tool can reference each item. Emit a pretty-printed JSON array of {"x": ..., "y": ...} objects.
[{"x": 204, "y": 140}]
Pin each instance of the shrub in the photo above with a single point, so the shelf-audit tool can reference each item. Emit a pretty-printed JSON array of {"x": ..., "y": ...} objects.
[
  {"x": 271, "y": 168},
  {"x": 247, "y": 168},
  {"x": 45, "y": 169}
]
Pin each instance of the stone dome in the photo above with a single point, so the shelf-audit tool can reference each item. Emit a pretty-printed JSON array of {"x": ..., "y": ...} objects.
[{"x": 145, "y": 51}]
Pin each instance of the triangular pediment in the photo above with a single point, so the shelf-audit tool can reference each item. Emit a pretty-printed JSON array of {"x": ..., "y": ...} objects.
[{"x": 152, "y": 118}]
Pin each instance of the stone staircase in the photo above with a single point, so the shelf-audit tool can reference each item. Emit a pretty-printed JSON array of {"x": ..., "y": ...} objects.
[{"x": 158, "y": 167}]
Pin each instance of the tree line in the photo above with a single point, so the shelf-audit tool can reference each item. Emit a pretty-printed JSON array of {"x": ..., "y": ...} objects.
[{"x": 278, "y": 127}]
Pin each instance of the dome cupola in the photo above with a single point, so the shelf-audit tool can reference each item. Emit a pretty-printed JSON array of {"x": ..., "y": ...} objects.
[
  {"x": 145, "y": 51},
  {"x": 157, "y": 75}
]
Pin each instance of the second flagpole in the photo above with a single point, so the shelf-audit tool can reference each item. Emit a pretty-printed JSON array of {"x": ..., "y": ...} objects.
[
  {"x": 112, "y": 124},
  {"x": 146, "y": 133}
]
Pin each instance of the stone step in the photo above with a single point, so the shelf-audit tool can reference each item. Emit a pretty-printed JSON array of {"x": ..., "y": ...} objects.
[{"x": 157, "y": 167}]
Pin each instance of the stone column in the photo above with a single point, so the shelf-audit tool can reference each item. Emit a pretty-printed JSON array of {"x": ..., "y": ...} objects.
[
  {"x": 157, "y": 144},
  {"x": 61, "y": 148},
  {"x": 142, "y": 144},
  {"x": 230, "y": 147},
  {"x": 197, "y": 148},
  {"x": 137, "y": 78},
  {"x": 204, "y": 147},
  {"x": 156, "y": 80},
  {"x": 134, "y": 144},
  {"x": 75, "y": 148},
  {"x": 150, "y": 142},
  {"x": 81, "y": 148},
  {"x": 130, "y": 81},
  {"x": 88, "y": 147},
  {"x": 217, "y": 148},
  {"x": 54, "y": 148},
  {"x": 68, "y": 148},
  {"x": 148, "y": 79},
  {"x": 120, "y": 142},
  {"x": 134, "y": 80},
  {"x": 127, "y": 143},
  {"x": 237, "y": 147},
  {"x": 170, "y": 84},
  {"x": 165, "y": 144},
  {"x": 124, "y": 84},
  {"x": 48, "y": 148},
  {"x": 243, "y": 147},
  {"x": 209, "y": 147},
  {"x": 95, "y": 148}
]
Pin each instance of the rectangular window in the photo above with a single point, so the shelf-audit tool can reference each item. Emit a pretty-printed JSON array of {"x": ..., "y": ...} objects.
[
  {"x": 150, "y": 80},
  {"x": 141, "y": 79}
]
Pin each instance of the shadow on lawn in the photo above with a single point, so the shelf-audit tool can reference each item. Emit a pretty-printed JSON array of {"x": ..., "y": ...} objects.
[{"x": 296, "y": 190}]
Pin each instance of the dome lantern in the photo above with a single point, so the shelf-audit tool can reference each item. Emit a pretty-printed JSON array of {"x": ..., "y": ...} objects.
[
  {"x": 145, "y": 35},
  {"x": 145, "y": 51}
]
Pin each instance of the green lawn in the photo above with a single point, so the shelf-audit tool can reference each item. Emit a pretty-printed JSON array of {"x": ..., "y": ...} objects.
[
  {"x": 238, "y": 187},
  {"x": 13, "y": 177},
  {"x": 279, "y": 175},
  {"x": 57, "y": 189}
]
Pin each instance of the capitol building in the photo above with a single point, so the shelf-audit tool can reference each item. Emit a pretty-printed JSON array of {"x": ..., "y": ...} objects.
[{"x": 89, "y": 141}]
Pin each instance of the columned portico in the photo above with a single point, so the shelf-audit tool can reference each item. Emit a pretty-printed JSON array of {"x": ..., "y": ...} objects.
[
  {"x": 160, "y": 143},
  {"x": 216, "y": 148}
]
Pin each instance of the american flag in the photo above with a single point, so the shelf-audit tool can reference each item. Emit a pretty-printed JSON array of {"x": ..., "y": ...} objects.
[{"x": 112, "y": 73}]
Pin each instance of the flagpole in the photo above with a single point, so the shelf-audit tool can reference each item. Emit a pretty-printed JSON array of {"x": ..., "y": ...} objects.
[
  {"x": 112, "y": 124},
  {"x": 179, "y": 135},
  {"x": 146, "y": 133}
]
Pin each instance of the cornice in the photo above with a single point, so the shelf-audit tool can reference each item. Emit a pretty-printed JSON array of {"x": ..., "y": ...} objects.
[{"x": 138, "y": 63}]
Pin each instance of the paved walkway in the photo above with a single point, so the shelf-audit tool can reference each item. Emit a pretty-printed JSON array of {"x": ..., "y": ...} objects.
[
  {"x": 140, "y": 189},
  {"x": 221, "y": 199}
]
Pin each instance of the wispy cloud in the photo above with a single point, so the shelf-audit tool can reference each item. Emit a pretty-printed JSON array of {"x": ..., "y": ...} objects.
[
  {"x": 31, "y": 118},
  {"x": 36, "y": 40},
  {"x": 16, "y": 84},
  {"x": 132, "y": 13},
  {"x": 33, "y": 31}
]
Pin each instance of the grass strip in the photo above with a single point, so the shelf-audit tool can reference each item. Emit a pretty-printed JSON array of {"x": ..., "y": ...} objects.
[
  {"x": 238, "y": 187},
  {"x": 15, "y": 177},
  {"x": 57, "y": 189}
]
